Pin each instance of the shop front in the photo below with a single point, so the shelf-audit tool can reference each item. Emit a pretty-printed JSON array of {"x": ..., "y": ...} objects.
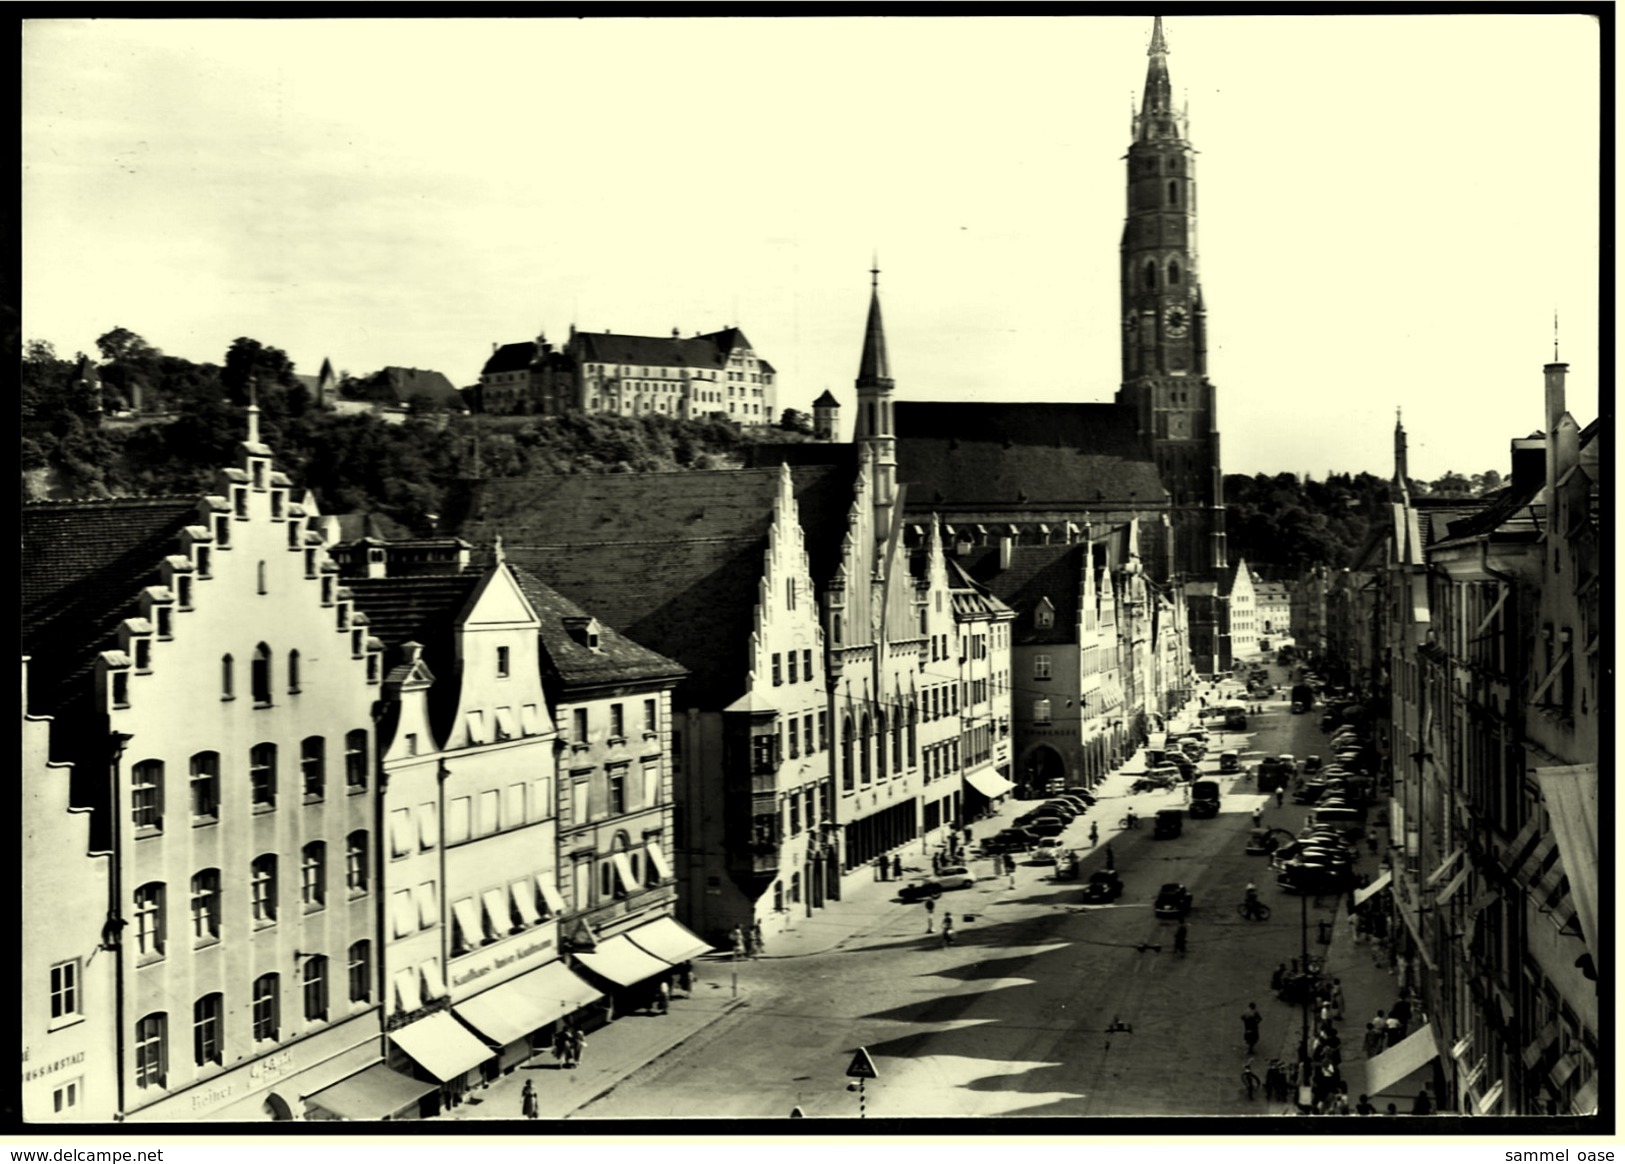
[
  {"x": 518, "y": 1018},
  {"x": 273, "y": 1087},
  {"x": 380, "y": 1093},
  {"x": 669, "y": 940},
  {"x": 630, "y": 973},
  {"x": 443, "y": 1049}
]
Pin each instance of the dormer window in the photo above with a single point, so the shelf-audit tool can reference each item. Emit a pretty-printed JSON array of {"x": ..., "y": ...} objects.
[
  {"x": 327, "y": 591},
  {"x": 276, "y": 505},
  {"x": 121, "y": 689},
  {"x": 310, "y": 559},
  {"x": 183, "y": 590},
  {"x": 239, "y": 503},
  {"x": 257, "y": 467},
  {"x": 222, "y": 532},
  {"x": 143, "y": 654},
  {"x": 166, "y": 621},
  {"x": 293, "y": 535}
]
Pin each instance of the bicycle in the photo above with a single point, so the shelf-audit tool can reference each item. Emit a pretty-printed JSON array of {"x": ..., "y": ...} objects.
[
  {"x": 1253, "y": 911},
  {"x": 1129, "y": 822}
]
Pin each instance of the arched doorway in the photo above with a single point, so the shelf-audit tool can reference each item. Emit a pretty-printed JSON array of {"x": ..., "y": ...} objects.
[{"x": 1043, "y": 767}]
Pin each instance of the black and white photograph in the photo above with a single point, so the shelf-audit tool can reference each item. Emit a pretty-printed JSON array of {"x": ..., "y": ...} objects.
[{"x": 815, "y": 573}]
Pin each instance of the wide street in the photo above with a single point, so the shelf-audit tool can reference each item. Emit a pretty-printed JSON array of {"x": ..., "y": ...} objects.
[{"x": 1016, "y": 1018}]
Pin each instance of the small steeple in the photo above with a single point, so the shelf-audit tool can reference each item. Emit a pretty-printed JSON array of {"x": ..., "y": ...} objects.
[
  {"x": 1158, "y": 119},
  {"x": 1402, "y": 471},
  {"x": 873, "y": 369}
]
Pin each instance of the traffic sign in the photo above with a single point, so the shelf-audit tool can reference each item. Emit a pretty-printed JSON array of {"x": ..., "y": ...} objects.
[
  {"x": 862, "y": 1066},
  {"x": 796, "y": 1113}
]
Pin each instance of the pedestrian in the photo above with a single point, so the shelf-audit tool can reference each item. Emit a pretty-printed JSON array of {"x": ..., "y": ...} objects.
[
  {"x": 1374, "y": 1040},
  {"x": 1423, "y": 1104},
  {"x": 897, "y": 867},
  {"x": 930, "y": 912},
  {"x": 685, "y": 979},
  {"x": 1392, "y": 1110},
  {"x": 1278, "y": 978},
  {"x": 1258, "y": 815},
  {"x": 1392, "y": 1031},
  {"x": 880, "y": 868},
  {"x": 1180, "y": 935},
  {"x": 1111, "y": 862},
  {"x": 757, "y": 945},
  {"x": 663, "y": 997},
  {"x": 737, "y": 936},
  {"x": 578, "y": 1044},
  {"x": 936, "y": 863},
  {"x": 1365, "y": 1107},
  {"x": 1249, "y": 1079},
  {"x": 1337, "y": 999},
  {"x": 1094, "y": 833},
  {"x": 1280, "y": 796},
  {"x": 527, "y": 1101},
  {"x": 1251, "y": 1020},
  {"x": 561, "y": 1046},
  {"x": 947, "y": 930}
]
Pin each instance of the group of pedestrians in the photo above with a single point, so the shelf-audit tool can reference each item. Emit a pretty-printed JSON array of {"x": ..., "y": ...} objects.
[
  {"x": 748, "y": 943},
  {"x": 888, "y": 868},
  {"x": 947, "y": 922}
]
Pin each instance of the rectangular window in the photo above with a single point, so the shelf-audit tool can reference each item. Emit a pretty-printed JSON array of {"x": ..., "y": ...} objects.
[
  {"x": 541, "y": 800},
  {"x": 792, "y": 666},
  {"x": 147, "y": 795},
  {"x": 581, "y": 877},
  {"x": 806, "y": 665},
  {"x": 795, "y": 741},
  {"x": 579, "y": 793},
  {"x": 503, "y": 662},
  {"x": 651, "y": 717},
  {"x": 617, "y": 791},
  {"x": 315, "y": 985},
  {"x": 151, "y": 1050},
  {"x": 206, "y": 906},
  {"x": 458, "y": 812},
  {"x": 355, "y": 863},
  {"x": 1040, "y": 711},
  {"x": 65, "y": 989},
  {"x": 66, "y": 1097},
  {"x": 313, "y": 766},
  {"x": 149, "y": 920},
  {"x": 578, "y": 725},
  {"x": 208, "y": 1017},
  {"x": 313, "y": 876},
  {"x": 262, "y": 776},
  {"x": 360, "y": 967},
  {"x": 428, "y": 905},
  {"x": 355, "y": 760},
  {"x": 823, "y": 731},
  {"x": 403, "y": 841},
  {"x": 262, "y": 886},
  {"x": 778, "y": 675},
  {"x": 617, "y": 721},
  {"x": 806, "y": 733},
  {"x": 267, "y": 1007},
  {"x": 513, "y": 806}
]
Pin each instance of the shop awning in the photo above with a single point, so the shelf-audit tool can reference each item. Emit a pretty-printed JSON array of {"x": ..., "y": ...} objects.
[
  {"x": 374, "y": 1094},
  {"x": 988, "y": 782},
  {"x": 657, "y": 858},
  {"x": 1412, "y": 1052},
  {"x": 622, "y": 962},
  {"x": 441, "y": 1045},
  {"x": 1370, "y": 891},
  {"x": 623, "y": 870},
  {"x": 669, "y": 940},
  {"x": 1571, "y": 799},
  {"x": 550, "y": 895},
  {"x": 507, "y": 1013},
  {"x": 1585, "y": 1100}
]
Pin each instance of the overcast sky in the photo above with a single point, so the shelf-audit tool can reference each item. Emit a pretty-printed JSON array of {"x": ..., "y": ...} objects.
[{"x": 1390, "y": 207}]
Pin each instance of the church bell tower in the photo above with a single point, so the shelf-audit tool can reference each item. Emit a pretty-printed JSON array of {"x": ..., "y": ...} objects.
[{"x": 1165, "y": 324}]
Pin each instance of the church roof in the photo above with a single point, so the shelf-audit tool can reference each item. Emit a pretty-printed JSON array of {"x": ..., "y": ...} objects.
[
  {"x": 617, "y": 660},
  {"x": 1024, "y": 453},
  {"x": 873, "y": 366},
  {"x": 1036, "y": 572},
  {"x": 510, "y": 358},
  {"x": 405, "y": 383},
  {"x": 827, "y": 400}
]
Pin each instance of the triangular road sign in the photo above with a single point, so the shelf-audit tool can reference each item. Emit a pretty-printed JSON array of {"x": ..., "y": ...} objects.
[{"x": 862, "y": 1066}]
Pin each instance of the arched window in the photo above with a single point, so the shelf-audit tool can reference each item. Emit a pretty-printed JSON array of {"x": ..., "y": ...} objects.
[
  {"x": 1173, "y": 273},
  {"x": 913, "y": 730},
  {"x": 866, "y": 761},
  {"x": 260, "y": 575},
  {"x": 227, "y": 682},
  {"x": 1173, "y": 193},
  {"x": 1150, "y": 273},
  {"x": 846, "y": 754},
  {"x": 313, "y": 766},
  {"x": 147, "y": 794},
  {"x": 293, "y": 672},
  {"x": 897, "y": 741},
  {"x": 260, "y": 674},
  {"x": 880, "y": 743}
]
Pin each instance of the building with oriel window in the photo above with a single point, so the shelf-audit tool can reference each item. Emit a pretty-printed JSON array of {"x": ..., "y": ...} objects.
[{"x": 213, "y": 689}]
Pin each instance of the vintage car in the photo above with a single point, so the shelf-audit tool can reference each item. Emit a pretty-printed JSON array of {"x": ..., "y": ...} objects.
[
  {"x": 1262, "y": 842},
  {"x": 1315, "y": 879},
  {"x": 1013, "y": 840},
  {"x": 1229, "y": 762},
  {"x": 1173, "y": 901},
  {"x": 1168, "y": 823},
  {"x": 949, "y": 877},
  {"x": 1104, "y": 885},
  {"x": 1204, "y": 799},
  {"x": 1066, "y": 866},
  {"x": 1047, "y": 851}
]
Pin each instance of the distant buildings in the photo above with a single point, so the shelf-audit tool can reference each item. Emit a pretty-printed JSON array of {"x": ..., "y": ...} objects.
[
  {"x": 717, "y": 374},
  {"x": 1474, "y": 624}
]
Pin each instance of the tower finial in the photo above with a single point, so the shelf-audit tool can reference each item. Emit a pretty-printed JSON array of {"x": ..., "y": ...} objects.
[
  {"x": 253, "y": 410},
  {"x": 1555, "y": 360},
  {"x": 1159, "y": 44},
  {"x": 874, "y": 271},
  {"x": 497, "y": 550}
]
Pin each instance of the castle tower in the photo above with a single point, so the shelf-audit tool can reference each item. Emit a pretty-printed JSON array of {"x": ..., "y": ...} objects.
[
  {"x": 826, "y": 416},
  {"x": 874, "y": 384},
  {"x": 1164, "y": 353}
]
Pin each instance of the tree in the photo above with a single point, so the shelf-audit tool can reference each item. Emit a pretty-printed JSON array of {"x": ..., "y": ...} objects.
[
  {"x": 270, "y": 367},
  {"x": 1452, "y": 484},
  {"x": 123, "y": 346},
  {"x": 794, "y": 420}
]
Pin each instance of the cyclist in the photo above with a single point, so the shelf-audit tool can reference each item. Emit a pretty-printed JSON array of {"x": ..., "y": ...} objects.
[{"x": 1249, "y": 904}]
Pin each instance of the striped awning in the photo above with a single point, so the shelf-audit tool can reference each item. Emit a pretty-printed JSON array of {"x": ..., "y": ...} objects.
[
  {"x": 1544, "y": 1045},
  {"x": 1585, "y": 1100}
]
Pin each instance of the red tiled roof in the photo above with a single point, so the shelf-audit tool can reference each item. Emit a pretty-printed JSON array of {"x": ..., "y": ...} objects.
[
  {"x": 510, "y": 358},
  {"x": 617, "y": 660},
  {"x": 1036, "y": 572}
]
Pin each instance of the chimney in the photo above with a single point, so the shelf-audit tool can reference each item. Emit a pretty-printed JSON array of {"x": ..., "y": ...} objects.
[
  {"x": 493, "y": 347},
  {"x": 1007, "y": 545},
  {"x": 1556, "y": 374}
]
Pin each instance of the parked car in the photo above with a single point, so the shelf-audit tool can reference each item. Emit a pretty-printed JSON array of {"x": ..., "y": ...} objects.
[
  {"x": 1066, "y": 866},
  {"x": 1173, "y": 900},
  {"x": 1311, "y": 764},
  {"x": 1169, "y": 823},
  {"x": 955, "y": 877},
  {"x": 1204, "y": 799},
  {"x": 1082, "y": 794},
  {"x": 1046, "y": 826},
  {"x": 1104, "y": 885},
  {"x": 1011, "y": 840},
  {"x": 1059, "y": 808},
  {"x": 920, "y": 891},
  {"x": 1047, "y": 850},
  {"x": 1078, "y": 804}
]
